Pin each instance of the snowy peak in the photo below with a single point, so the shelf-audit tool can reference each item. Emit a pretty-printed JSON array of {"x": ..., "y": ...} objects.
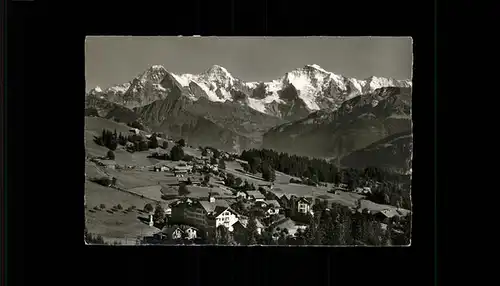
[
  {"x": 219, "y": 75},
  {"x": 121, "y": 88},
  {"x": 372, "y": 83},
  {"x": 154, "y": 74},
  {"x": 95, "y": 91},
  {"x": 217, "y": 70},
  {"x": 316, "y": 67},
  {"x": 117, "y": 89},
  {"x": 309, "y": 87}
]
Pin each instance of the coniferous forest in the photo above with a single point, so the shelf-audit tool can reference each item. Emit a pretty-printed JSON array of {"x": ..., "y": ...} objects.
[{"x": 392, "y": 189}]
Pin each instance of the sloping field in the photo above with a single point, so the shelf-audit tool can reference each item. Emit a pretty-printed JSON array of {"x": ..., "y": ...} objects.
[
  {"x": 97, "y": 194},
  {"x": 283, "y": 178},
  {"x": 251, "y": 179},
  {"x": 301, "y": 190},
  {"x": 93, "y": 171},
  {"x": 116, "y": 226},
  {"x": 96, "y": 124},
  {"x": 198, "y": 192},
  {"x": 343, "y": 199},
  {"x": 91, "y": 147},
  {"x": 365, "y": 204},
  {"x": 94, "y": 127},
  {"x": 235, "y": 168},
  {"x": 129, "y": 179},
  {"x": 190, "y": 151},
  {"x": 152, "y": 192},
  {"x": 138, "y": 159}
]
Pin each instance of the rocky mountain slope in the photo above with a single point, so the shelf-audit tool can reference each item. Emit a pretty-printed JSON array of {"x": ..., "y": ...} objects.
[
  {"x": 215, "y": 108},
  {"x": 393, "y": 152},
  {"x": 227, "y": 126},
  {"x": 358, "y": 122},
  {"x": 97, "y": 106},
  {"x": 290, "y": 97}
]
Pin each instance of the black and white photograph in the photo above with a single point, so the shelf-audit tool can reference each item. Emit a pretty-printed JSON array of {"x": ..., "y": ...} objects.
[{"x": 242, "y": 141}]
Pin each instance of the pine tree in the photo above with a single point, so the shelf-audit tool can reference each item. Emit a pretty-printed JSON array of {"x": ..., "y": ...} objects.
[
  {"x": 282, "y": 239},
  {"x": 213, "y": 161},
  {"x": 183, "y": 190},
  {"x": 386, "y": 236},
  {"x": 268, "y": 172},
  {"x": 159, "y": 214},
  {"x": 143, "y": 146},
  {"x": 222, "y": 164},
  {"x": 246, "y": 186},
  {"x": 148, "y": 208},
  {"x": 252, "y": 231},
  {"x": 110, "y": 155},
  {"x": 206, "y": 179},
  {"x": 310, "y": 232},
  {"x": 238, "y": 181},
  {"x": 230, "y": 180},
  {"x": 181, "y": 143},
  {"x": 153, "y": 142},
  {"x": 357, "y": 227},
  {"x": 222, "y": 235},
  {"x": 176, "y": 153},
  {"x": 254, "y": 164}
]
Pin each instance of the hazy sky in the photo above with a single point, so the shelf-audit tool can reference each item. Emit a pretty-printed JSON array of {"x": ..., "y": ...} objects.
[{"x": 116, "y": 60}]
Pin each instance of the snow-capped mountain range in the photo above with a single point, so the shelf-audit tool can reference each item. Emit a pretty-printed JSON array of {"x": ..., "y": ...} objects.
[{"x": 297, "y": 93}]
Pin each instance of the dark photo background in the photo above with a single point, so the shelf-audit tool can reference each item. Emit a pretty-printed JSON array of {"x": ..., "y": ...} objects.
[{"x": 45, "y": 90}]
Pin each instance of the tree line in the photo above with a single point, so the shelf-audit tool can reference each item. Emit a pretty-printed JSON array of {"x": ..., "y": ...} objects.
[
  {"x": 300, "y": 166},
  {"x": 96, "y": 239},
  {"x": 111, "y": 140},
  {"x": 334, "y": 226},
  {"x": 392, "y": 189}
]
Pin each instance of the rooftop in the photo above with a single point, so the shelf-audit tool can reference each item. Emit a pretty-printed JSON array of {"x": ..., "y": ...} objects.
[
  {"x": 273, "y": 202},
  {"x": 256, "y": 194},
  {"x": 244, "y": 223},
  {"x": 210, "y": 207},
  {"x": 108, "y": 162}
]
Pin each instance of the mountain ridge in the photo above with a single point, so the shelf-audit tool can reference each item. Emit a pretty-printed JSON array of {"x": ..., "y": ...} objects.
[
  {"x": 359, "y": 122},
  {"x": 315, "y": 89}
]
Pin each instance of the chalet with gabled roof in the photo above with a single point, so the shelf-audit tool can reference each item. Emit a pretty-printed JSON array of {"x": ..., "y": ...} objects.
[
  {"x": 204, "y": 214},
  {"x": 255, "y": 196}
]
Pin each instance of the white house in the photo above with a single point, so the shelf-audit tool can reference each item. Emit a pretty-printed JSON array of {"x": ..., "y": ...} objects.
[
  {"x": 191, "y": 233},
  {"x": 226, "y": 217},
  {"x": 304, "y": 205},
  {"x": 182, "y": 170},
  {"x": 241, "y": 194},
  {"x": 271, "y": 210},
  {"x": 168, "y": 211},
  {"x": 180, "y": 173},
  {"x": 364, "y": 190},
  {"x": 172, "y": 232}
]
